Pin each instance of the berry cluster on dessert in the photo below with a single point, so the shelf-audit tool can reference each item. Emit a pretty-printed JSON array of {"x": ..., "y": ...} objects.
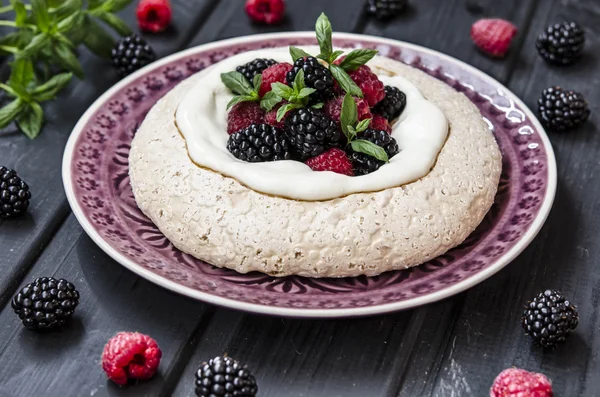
[{"x": 329, "y": 111}]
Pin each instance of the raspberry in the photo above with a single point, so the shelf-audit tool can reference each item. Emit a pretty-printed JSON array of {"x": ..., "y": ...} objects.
[
  {"x": 242, "y": 115},
  {"x": 493, "y": 36},
  {"x": 333, "y": 108},
  {"x": 271, "y": 116},
  {"x": 130, "y": 355},
  {"x": 334, "y": 160},
  {"x": 273, "y": 74},
  {"x": 380, "y": 123},
  {"x": 266, "y": 11},
  {"x": 515, "y": 382},
  {"x": 154, "y": 15},
  {"x": 372, "y": 88}
]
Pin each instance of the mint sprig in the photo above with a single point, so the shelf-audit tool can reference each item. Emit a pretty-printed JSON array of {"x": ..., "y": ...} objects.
[
  {"x": 238, "y": 84},
  {"x": 297, "y": 96},
  {"x": 298, "y": 53}
]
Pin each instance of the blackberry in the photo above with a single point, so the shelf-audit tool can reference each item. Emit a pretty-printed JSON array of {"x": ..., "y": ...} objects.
[
  {"x": 549, "y": 318},
  {"x": 311, "y": 132},
  {"x": 226, "y": 377},
  {"x": 561, "y": 43},
  {"x": 385, "y": 9},
  {"x": 14, "y": 194},
  {"x": 392, "y": 105},
  {"x": 363, "y": 163},
  {"x": 254, "y": 67},
  {"x": 131, "y": 53},
  {"x": 45, "y": 303},
  {"x": 259, "y": 143},
  {"x": 562, "y": 110},
  {"x": 316, "y": 76}
]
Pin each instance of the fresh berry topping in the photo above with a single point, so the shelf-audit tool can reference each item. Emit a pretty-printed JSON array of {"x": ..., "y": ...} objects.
[
  {"x": 372, "y": 88},
  {"x": 273, "y": 74},
  {"x": 14, "y": 194},
  {"x": 365, "y": 164},
  {"x": 335, "y": 160},
  {"x": 378, "y": 122},
  {"x": 493, "y": 36},
  {"x": 385, "y": 9},
  {"x": 131, "y": 53},
  {"x": 243, "y": 114},
  {"x": 271, "y": 116},
  {"x": 561, "y": 43},
  {"x": 562, "y": 110},
  {"x": 266, "y": 11},
  {"x": 316, "y": 76},
  {"x": 392, "y": 105},
  {"x": 254, "y": 67},
  {"x": 46, "y": 303},
  {"x": 130, "y": 355},
  {"x": 259, "y": 143},
  {"x": 311, "y": 132},
  {"x": 549, "y": 318},
  {"x": 154, "y": 15},
  {"x": 515, "y": 382},
  {"x": 224, "y": 376},
  {"x": 333, "y": 108}
]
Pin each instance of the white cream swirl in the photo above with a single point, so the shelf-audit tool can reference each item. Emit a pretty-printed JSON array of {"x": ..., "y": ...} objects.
[{"x": 202, "y": 119}]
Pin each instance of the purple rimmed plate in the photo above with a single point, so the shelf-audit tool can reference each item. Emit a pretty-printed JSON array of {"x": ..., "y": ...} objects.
[{"x": 96, "y": 179}]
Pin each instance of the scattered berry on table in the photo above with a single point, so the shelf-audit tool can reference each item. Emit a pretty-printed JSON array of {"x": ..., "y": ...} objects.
[
  {"x": 562, "y": 110},
  {"x": 334, "y": 159},
  {"x": 266, "y": 11},
  {"x": 14, "y": 194},
  {"x": 385, "y": 9},
  {"x": 130, "y": 355},
  {"x": 380, "y": 123},
  {"x": 392, "y": 105},
  {"x": 154, "y": 15},
  {"x": 271, "y": 116},
  {"x": 131, "y": 53},
  {"x": 372, "y": 88},
  {"x": 515, "y": 382},
  {"x": 254, "y": 67},
  {"x": 243, "y": 114},
  {"x": 493, "y": 36},
  {"x": 259, "y": 143},
  {"x": 363, "y": 163},
  {"x": 273, "y": 74},
  {"x": 316, "y": 76},
  {"x": 224, "y": 376},
  {"x": 561, "y": 43},
  {"x": 311, "y": 132},
  {"x": 46, "y": 303},
  {"x": 549, "y": 318},
  {"x": 333, "y": 108}
]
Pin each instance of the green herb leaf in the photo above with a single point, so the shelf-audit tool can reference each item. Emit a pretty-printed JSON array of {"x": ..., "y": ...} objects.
[
  {"x": 49, "y": 89},
  {"x": 22, "y": 72},
  {"x": 324, "y": 32},
  {"x": 257, "y": 81},
  {"x": 299, "y": 83},
  {"x": 237, "y": 83},
  {"x": 237, "y": 99},
  {"x": 39, "y": 9},
  {"x": 305, "y": 92},
  {"x": 30, "y": 120},
  {"x": 345, "y": 81},
  {"x": 282, "y": 90},
  {"x": 363, "y": 125},
  {"x": 11, "y": 90},
  {"x": 357, "y": 58},
  {"x": 369, "y": 148},
  {"x": 35, "y": 45},
  {"x": 70, "y": 22},
  {"x": 298, "y": 53},
  {"x": 96, "y": 39},
  {"x": 118, "y": 5},
  {"x": 67, "y": 58},
  {"x": 269, "y": 101},
  {"x": 348, "y": 115},
  {"x": 286, "y": 108},
  {"x": 318, "y": 105},
  {"x": 20, "y": 12},
  {"x": 114, "y": 22},
  {"x": 68, "y": 7},
  {"x": 10, "y": 111},
  {"x": 335, "y": 55}
]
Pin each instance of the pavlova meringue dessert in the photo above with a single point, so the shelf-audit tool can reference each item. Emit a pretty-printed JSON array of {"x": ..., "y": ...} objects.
[{"x": 339, "y": 164}]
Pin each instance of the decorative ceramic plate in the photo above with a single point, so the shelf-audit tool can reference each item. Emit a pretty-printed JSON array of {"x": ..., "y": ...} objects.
[{"x": 95, "y": 174}]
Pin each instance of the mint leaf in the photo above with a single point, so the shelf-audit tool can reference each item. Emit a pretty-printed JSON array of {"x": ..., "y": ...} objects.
[
  {"x": 324, "y": 32},
  {"x": 114, "y": 22},
  {"x": 49, "y": 89},
  {"x": 96, "y": 39},
  {"x": 9, "y": 112},
  {"x": 20, "y": 12},
  {"x": 71, "y": 22},
  {"x": 318, "y": 105},
  {"x": 257, "y": 81},
  {"x": 237, "y": 83},
  {"x": 348, "y": 115},
  {"x": 299, "y": 81},
  {"x": 369, "y": 148},
  {"x": 35, "y": 45},
  {"x": 363, "y": 125},
  {"x": 22, "y": 72},
  {"x": 41, "y": 15},
  {"x": 282, "y": 90},
  {"x": 67, "y": 58},
  {"x": 351, "y": 133},
  {"x": 269, "y": 100},
  {"x": 298, "y": 53},
  {"x": 335, "y": 55},
  {"x": 30, "y": 120},
  {"x": 118, "y": 5},
  {"x": 305, "y": 92},
  {"x": 68, "y": 7},
  {"x": 286, "y": 108},
  {"x": 357, "y": 58},
  {"x": 345, "y": 81},
  {"x": 237, "y": 99}
]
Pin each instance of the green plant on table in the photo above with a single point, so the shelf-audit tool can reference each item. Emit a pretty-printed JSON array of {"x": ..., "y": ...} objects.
[{"x": 43, "y": 51}]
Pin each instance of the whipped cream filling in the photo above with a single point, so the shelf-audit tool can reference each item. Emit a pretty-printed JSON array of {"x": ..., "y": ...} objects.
[{"x": 201, "y": 117}]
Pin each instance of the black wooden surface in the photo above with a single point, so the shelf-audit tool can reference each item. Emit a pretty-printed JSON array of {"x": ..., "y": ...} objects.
[{"x": 450, "y": 348}]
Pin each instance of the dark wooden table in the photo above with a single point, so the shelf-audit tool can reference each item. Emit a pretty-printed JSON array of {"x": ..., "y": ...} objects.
[{"x": 452, "y": 348}]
